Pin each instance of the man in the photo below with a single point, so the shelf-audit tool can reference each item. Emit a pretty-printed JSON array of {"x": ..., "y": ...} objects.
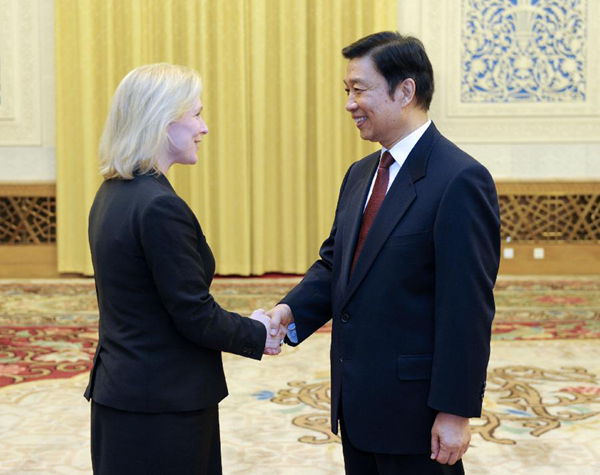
[{"x": 406, "y": 274}]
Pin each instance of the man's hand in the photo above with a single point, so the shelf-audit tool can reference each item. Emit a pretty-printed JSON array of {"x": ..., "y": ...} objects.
[
  {"x": 274, "y": 339},
  {"x": 450, "y": 437},
  {"x": 281, "y": 316}
]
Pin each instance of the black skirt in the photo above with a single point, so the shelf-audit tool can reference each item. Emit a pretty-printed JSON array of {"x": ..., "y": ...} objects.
[{"x": 177, "y": 443}]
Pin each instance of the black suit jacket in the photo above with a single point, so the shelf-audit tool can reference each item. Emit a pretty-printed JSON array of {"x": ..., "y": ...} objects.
[
  {"x": 161, "y": 333},
  {"x": 412, "y": 324}
]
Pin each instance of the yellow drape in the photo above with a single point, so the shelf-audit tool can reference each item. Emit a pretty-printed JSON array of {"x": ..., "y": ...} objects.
[{"x": 279, "y": 140}]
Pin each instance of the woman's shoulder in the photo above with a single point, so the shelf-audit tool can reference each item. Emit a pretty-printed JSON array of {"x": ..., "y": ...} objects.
[
  {"x": 142, "y": 192},
  {"x": 158, "y": 198},
  {"x": 144, "y": 186}
]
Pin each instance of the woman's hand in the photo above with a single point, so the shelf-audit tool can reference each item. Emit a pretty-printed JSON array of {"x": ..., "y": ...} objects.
[{"x": 274, "y": 336}]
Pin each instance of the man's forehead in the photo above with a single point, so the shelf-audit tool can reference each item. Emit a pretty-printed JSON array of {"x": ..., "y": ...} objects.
[
  {"x": 355, "y": 77},
  {"x": 361, "y": 70}
]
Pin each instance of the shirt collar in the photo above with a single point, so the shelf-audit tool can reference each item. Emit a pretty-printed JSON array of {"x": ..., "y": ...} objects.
[{"x": 402, "y": 148}]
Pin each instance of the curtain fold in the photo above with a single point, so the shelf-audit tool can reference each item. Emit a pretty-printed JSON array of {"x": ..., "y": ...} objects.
[{"x": 279, "y": 142}]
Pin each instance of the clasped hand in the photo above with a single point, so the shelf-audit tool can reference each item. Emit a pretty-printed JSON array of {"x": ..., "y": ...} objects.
[{"x": 275, "y": 332}]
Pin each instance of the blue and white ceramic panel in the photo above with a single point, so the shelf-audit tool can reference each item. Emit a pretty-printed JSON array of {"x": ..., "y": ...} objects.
[{"x": 523, "y": 51}]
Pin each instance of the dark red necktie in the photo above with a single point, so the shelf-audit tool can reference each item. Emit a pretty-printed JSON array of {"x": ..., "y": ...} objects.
[{"x": 377, "y": 196}]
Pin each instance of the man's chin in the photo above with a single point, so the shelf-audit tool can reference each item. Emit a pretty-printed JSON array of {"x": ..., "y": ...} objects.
[
  {"x": 368, "y": 137},
  {"x": 365, "y": 135}
]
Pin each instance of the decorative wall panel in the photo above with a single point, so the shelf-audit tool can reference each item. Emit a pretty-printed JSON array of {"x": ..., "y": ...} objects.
[
  {"x": 512, "y": 71},
  {"x": 27, "y": 214},
  {"x": 567, "y": 212},
  {"x": 27, "y": 220},
  {"x": 550, "y": 217},
  {"x": 559, "y": 212},
  {"x": 523, "y": 50},
  {"x": 20, "y": 89}
]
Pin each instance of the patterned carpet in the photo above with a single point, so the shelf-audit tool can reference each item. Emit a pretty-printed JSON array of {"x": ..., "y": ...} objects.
[{"x": 541, "y": 412}]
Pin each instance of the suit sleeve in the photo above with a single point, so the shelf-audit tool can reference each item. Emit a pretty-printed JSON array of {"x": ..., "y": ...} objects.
[
  {"x": 171, "y": 240},
  {"x": 467, "y": 253},
  {"x": 310, "y": 300}
]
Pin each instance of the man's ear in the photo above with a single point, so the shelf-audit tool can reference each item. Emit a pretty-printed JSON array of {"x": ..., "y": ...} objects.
[{"x": 405, "y": 91}]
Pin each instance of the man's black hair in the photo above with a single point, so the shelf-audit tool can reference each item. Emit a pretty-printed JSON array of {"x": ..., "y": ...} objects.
[{"x": 397, "y": 58}]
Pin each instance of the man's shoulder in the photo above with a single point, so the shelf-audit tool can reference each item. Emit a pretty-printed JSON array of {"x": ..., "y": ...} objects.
[
  {"x": 361, "y": 168},
  {"x": 367, "y": 161},
  {"x": 451, "y": 154}
]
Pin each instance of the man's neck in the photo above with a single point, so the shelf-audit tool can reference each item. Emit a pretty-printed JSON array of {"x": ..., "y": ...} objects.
[{"x": 415, "y": 119}]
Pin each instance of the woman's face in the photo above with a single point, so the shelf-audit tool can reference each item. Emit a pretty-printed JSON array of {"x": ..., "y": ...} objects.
[{"x": 185, "y": 135}]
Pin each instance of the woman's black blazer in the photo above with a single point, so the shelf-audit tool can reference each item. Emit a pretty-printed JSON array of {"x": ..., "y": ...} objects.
[{"x": 161, "y": 333}]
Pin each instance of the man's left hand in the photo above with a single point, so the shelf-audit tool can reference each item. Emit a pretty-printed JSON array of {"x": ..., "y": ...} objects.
[{"x": 450, "y": 437}]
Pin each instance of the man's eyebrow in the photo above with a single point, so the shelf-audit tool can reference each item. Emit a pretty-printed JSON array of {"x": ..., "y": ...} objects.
[{"x": 354, "y": 81}]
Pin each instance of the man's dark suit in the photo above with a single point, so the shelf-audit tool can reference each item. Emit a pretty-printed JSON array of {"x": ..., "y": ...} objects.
[
  {"x": 161, "y": 333},
  {"x": 411, "y": 324}
]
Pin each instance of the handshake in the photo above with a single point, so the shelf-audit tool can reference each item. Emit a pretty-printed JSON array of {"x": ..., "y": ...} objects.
[{"x": 276, "y": 322}]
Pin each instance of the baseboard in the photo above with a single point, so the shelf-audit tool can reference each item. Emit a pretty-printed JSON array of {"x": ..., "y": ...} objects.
[
  {"x": 34, "y": 260},
  {"x": 558, "y": 259}
]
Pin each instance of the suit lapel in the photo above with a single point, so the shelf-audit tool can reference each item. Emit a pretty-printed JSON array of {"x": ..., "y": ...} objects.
[
  {"x": 358, "y": 194},
  {"x": 397, "y": 201},
  {"x": 395, "y": 204}
]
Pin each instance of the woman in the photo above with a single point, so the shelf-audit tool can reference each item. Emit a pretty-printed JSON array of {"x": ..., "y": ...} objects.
[{"x": 157, "y": 376}]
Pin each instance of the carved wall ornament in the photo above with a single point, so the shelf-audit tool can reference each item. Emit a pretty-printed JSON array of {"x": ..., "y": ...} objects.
[
  {"x": 27, "y": 220},
  {"x": 524, "y": 50},
  {"x": 564, "y": 218},
  {"x": 511, "y": 71},
  {"x": 529, "y": 212}
]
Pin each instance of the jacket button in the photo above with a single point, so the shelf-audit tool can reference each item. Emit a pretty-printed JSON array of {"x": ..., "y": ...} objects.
[{"x": 345, "y": 318}]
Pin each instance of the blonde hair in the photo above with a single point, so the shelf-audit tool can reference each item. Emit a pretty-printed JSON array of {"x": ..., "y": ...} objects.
[{"x": 146, "y": 101}]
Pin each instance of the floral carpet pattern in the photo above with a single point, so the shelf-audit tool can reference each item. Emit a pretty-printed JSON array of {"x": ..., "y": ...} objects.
[
  {"x": 541, "y": 411},
  {"x": 48, "y": 329},
  {"x": 519, "y": 400},
  {"x": 50, "y": 352}
]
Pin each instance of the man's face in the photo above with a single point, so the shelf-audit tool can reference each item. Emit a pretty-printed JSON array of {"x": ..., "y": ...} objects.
[{"x": 377, "y": 116}]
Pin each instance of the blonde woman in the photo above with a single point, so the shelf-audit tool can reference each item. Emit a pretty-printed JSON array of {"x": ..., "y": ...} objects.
[{"x": 157, "y": 377}]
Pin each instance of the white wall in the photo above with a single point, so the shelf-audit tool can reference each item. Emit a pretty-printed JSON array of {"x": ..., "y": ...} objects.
[
  {"x": 514, "y": 141},
  {"x": 538, "y": 161},
  {"x": 27, "y": 93}
]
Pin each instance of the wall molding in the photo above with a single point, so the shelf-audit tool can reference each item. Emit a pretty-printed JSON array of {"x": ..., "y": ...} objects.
[
  {"x": 555, "y": 212},
  {"x": 28, "y": 230},
  {"x": 562, "y": 217},
  {"x": 27, "y": 214}
]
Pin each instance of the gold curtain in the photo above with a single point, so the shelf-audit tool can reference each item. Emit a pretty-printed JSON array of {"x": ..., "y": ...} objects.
[{"x": 279, "y": 140}]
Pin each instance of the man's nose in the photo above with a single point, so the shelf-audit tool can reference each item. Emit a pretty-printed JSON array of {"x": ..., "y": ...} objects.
[{"x": 350, "y": 103}]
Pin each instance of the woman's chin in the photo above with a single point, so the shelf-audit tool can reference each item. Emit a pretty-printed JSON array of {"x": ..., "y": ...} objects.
[{"x": 189, "y": 160}]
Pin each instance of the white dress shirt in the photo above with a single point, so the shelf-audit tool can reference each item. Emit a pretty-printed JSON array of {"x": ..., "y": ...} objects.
[{"x": 399, "y": 153}]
